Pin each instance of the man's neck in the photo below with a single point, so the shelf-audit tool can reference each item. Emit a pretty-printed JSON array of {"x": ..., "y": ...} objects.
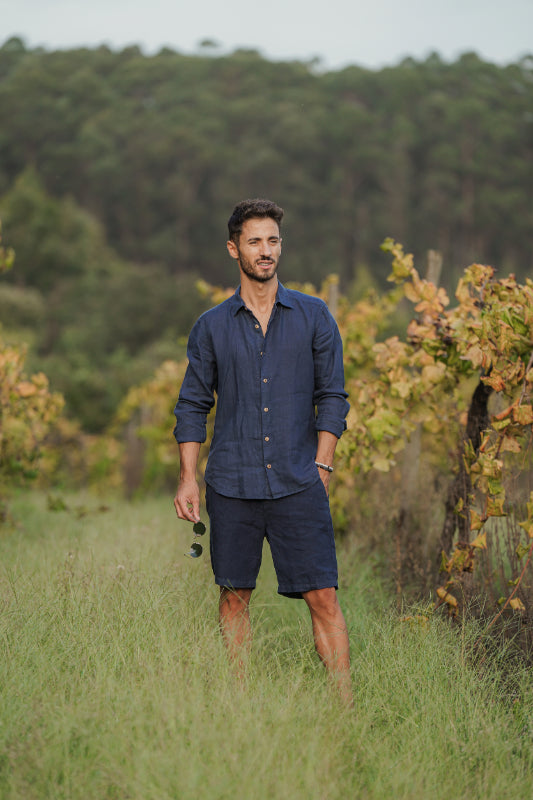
[{"x": 259, "y": 296}]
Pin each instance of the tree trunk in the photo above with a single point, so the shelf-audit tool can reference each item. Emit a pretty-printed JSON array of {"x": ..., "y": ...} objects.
[{"x": 478, "y": 420}]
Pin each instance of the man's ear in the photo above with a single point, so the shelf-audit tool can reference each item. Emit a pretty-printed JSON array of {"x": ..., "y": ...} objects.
[{"x": 232, "y": 248}]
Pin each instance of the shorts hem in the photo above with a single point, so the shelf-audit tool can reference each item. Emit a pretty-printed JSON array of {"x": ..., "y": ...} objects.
[
  {"x": 298, "y": 590},
  {"x": 227, "y": 584}
]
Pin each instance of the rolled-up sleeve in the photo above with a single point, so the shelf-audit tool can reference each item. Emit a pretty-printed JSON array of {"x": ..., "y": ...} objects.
[
  {"x": 330, "y": 397},
  {"x": 196, "y": 397}
]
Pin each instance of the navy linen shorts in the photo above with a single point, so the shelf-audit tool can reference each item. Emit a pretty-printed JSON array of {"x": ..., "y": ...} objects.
[{"x": 298, "y": 529}]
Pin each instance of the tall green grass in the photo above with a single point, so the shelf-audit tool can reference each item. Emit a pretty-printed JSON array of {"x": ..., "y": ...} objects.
[{"x": 114, "y": 682}]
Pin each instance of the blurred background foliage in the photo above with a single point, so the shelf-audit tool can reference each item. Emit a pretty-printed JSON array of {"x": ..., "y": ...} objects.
[{"x": 118, "y": 172}]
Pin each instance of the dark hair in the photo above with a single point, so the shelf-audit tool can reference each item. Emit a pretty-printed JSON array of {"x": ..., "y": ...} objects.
[{"x": 250, "y": 209}]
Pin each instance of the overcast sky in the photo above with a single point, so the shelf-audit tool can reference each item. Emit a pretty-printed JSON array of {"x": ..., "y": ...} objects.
[{"x": 371, "y": 33}]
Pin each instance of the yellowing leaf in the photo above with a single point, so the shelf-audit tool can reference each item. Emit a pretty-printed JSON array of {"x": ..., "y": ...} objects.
[
  {"x": 401, "y": 389},
  {"x": 523, "y": 414},
  {"x": 433, "y": 373},
  {"x": 522, "y": 550},
  {"x": 518, "y": 325},
  {"x": 500, "y": 424},
  {"x": 528, "y": 527},
  {"x": 495, "y": 381},
  {"x": 446, "y": 597},
  {"x": 383, "y": 423},
  {"x": 495, "y": 506},
  {"x": 381, "y": 464},
  {"x": 480, "y": 541},
  {"x": 516, "y": 604},
  {"x": 505, "y": 413},
  {"x": 476, "y": 522},
  {"x": 26, "y": 389},
  {"x": 462, "y": 292},
  {"x": 510, "y": 445},
  {"x": 475, "y": 355},
  {"x": 411, "y": 293}
]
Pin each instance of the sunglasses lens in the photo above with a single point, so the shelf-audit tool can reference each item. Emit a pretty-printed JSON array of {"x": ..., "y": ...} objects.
[
  {"x": 198, "y": 529},
  {"x": 195, "y": 551}
]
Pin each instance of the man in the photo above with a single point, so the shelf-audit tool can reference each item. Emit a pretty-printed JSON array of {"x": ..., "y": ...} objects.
[{"x": 274, "y": 359}]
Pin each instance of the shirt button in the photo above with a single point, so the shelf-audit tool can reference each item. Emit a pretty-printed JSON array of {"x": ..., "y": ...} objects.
[
  {"x": 269, "y": 466},
  {"x": 267, "y": 438},
  {"x": 265, "y": 409}
]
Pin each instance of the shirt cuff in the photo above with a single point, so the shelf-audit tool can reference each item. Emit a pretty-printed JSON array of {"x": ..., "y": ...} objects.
[
  {"x": 332, "y": 425},
  {"x": 190, "y": 433}
]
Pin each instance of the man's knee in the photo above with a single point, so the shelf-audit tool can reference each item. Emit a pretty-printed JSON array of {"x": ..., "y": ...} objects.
[
  {"x": 235, "y": 600},
  {"x": 322, "y": 601}
]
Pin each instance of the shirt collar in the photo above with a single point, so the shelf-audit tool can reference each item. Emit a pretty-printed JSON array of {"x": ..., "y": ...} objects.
[{"x": 282, "y": 297}]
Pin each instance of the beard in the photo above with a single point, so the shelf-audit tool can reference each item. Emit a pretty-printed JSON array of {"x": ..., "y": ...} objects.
[{"x": 256, "y": 273}]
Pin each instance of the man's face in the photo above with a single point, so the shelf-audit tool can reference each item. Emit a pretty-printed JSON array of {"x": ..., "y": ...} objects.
[{"x": 258, "y": 249}]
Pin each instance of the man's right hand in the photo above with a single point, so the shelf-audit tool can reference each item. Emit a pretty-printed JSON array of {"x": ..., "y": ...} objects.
[{"x": 187, "y": 501}]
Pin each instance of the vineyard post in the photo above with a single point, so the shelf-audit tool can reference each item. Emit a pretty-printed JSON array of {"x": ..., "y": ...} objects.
[
  {"x": 135, "y": 452},
  {"x": 333, "y": 297}
]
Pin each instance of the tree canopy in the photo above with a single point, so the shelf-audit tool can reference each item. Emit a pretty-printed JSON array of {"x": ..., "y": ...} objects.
[{"x": 159, "y": 148}]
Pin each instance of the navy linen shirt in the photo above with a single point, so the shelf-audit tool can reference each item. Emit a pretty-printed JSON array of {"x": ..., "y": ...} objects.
[{"x": 274, "y": 393}]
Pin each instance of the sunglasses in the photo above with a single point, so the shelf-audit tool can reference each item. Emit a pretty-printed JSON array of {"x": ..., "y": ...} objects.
[{"x": 196, "y": 548}]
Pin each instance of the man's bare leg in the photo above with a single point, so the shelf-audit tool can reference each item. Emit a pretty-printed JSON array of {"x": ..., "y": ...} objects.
[
  {"x": 234, "y": 619},
  {"x": 331, "y": 639}
]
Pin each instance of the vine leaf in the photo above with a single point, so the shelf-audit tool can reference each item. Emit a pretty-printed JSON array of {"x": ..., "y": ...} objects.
[
  {"x": 446, "y": 597},
  {"x": 522, "y": 550},
  {"x": 476, "y": 521},
  {"x": 523, "y": 415},
  {"x": 480, "y": 541}
]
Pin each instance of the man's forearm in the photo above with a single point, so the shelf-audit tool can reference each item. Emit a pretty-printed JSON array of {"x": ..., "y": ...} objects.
[
  {"x": 189, "y": 452},
  {"x": 325, "y": 452}
]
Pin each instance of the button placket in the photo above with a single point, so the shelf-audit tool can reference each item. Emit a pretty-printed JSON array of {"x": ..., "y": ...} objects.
[{"x": 265, "y": 394}]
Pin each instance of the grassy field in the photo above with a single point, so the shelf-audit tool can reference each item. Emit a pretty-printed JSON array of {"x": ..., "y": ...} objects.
[{"x": 114, "y": 682}]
